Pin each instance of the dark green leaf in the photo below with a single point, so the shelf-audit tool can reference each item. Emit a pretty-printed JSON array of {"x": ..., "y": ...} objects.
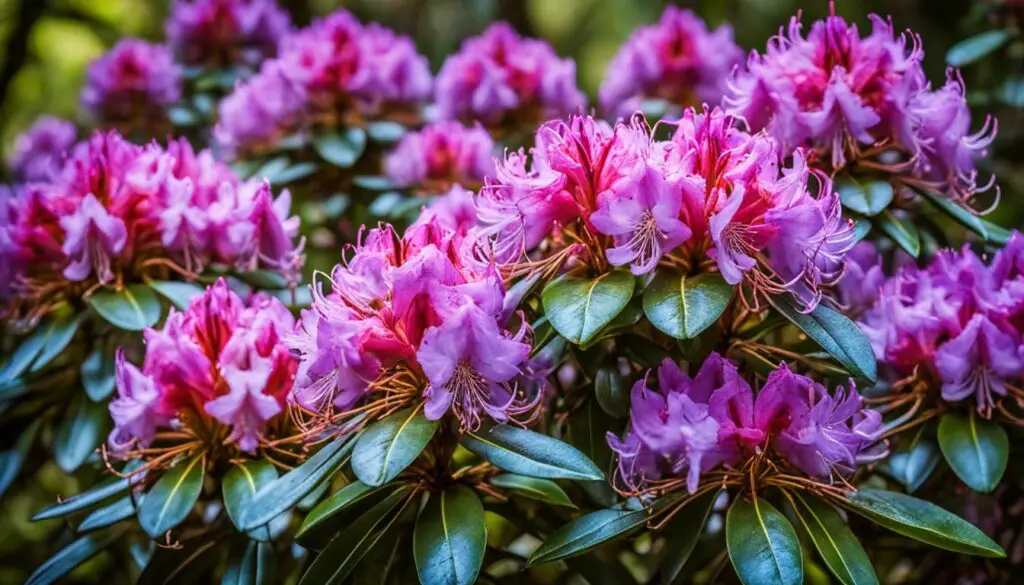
[
  {"x": 901, "y": 231},
  {"x": 683, "y": 532},
  {"x": 13, "y": 458},
  {"x": 970, "y": 50},
  {"x": 913, "y": 466},
  {"x": 250, "y": 562},
  {"x": 585, "y": 533},
  {"x": 341, "y": 148},
  {"x": 179, "y": 293},
  {"x": 122, "y": 509},
  {"x": 84, "y": 500},
  {"x": 683, "y": 306},
  {"x": 587, "y": 428},
  {"x": 922, "y": 521},
  {"x": 865, "y": 197},
  {"x": 836, "y": 544},
  {"x": 836, "y": 334},
  {"x": 335, "y": 512},
  {"x": 531, "y": 454},
  {"x": 58, "y": 336},
  {"x": 373, "y": 183},
  {"x": 543, "y": 490},
  {"x": 996, "y": 234},
  {"x": 132, "y": 308},
  {"x": 385, "y": 132},
  {"x": 73, "y": 555},
  {"x": 1012, "y": 91},
  {"x": 192, "y": 562},
  {"x": 579, "y": 308},
  {"x": 976, "y": 450},
  {"x": 955, "y": 211},
  {"x": 763, "y": 546},
  {"x": 240, "y": 486},
  {"x": 263, "y": 279},
  {"x": 450, "y": 538},
  {"x": 286, "y": 491},
  {"x": 26, "y": 353},
  {"x": 611, "y": 391},
  {"x": 83, "y": 428},
  {"x": 388, "y": 446},
  {"x": 172, "y": 497},
  {"x": 98, "y": 376}
]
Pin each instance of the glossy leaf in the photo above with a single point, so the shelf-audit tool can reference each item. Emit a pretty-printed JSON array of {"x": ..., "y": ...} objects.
[
  {"x": 172, "y": 497},
  {"x": 83, "y": 428},
  {"x": 763, "y": 545},
  {"x": 263, "y": 279},
  {"x": 922, "y": 521},
  {"x": 450, "y": 538},
  {"x": 976, "y": 449},
  {"x": 83, "y": 501},
  {"x": 586, "y": 532},
  {"x": 98, "y": 375},
  {"x": 531, "y": 454},
  {"x": 341, "y": 148},
  {"x": 58, "y": 335},
  {"x": 587, "y": 429},
  {"x": 250, "y": 562},
  {"x": 956, "y": 212},
  {"x": 332, "y": 514},
  {"x": 385, "y": 132},
  {"x": 974, "y": 48},
  {"x": 240, "y": 486},
  {"x": 611, "y": 391},
  {"x": 132, "y": 308},
  {"x": 122, "y": 509},
  {"x": 836, "y": 334},
  {"x": 26, "y": 353},
  {"x": 578, "y": 308},
  {"x": 388, "y": 446},
  {"x": 535, "y": 488},
  {"x": 901, "y": 231},
  {"x": 293, "y": 173},
  {"x": 834, "y": 540},
  {"x": 179, "y": 293},
  {"x": 683, "y": 306},
  {"x": 12, "y": 458},
  {"x": 913, "y": 466},
  {"x": 683, "y": 532},
  {"x": 865, "y": 197},
  {"x": 73, "y": 555}
]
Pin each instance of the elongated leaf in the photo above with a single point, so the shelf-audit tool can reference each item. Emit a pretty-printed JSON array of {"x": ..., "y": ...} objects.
[
  {"x": 122, "y": 509},
  {"x": 342, "y": 148},
  {"x": 578, "y": 308},
  {"x": 26, "y": 353},
  {"x": 73, "y": 555},
  {"x": 172, "y": 497},
  {"x": 13, "y": 457},
  {"x": 865, "y": 197},
  {"x": 974, "y": 48},
  {"x": 84, "y": 500},
  {"x": 683, "y": 306},
  {"x": 955, "y": 211},
  {"x": 995, "y": 234},
  {"x": 611, "y": 391},
  {"x": 901, "y": 231},
  {"x": 531, "y": 454},
  {"x": 836, "y": 334},
  {"x": 922, "y": 521},
  {"x": 345, "y": 550},
  {"x": 132, "y": 308},
  {"x": 263, "y": 279},
  {"x": 385, "y": 132},
  {"x": 179, "y": 293},
  {"x": 286, "y": 491},
  {"x": 587, "y": 429},
  {"x": 976, "y": 450},
  {"x": 58, "y": 336},
  {"x": 240, "y": 486},
  {"x": 836, "y": 544},
  {"x": 80, "y": 433},
  {"x": 683, "y": 532},
  {"x": 250, "y": 562},
  {"x": 192, "y": 562},
  {"x": 335, "y": 512},
  {"x": 98, "y": 375},
  {"x": 763, "y": 546},
  {"x": 450, "y": 538},
  {"x": 585, "y": 533},
  {"x": 543, "y": 490},
  {"x": 913, "y": 466},
  {"x": 388, "y": 446},
  {"x": 294, "y": 173}
]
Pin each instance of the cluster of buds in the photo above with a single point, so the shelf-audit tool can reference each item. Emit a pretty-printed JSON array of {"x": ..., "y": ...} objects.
[{"x": 441, "y": 155}]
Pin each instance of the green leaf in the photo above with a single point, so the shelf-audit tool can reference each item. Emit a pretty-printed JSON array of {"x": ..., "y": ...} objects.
[
  {"x": 955, "y": 211},
  {"x": 578, "y": 308},
  {"x": 587, "y": 429},
  {"x": 922, "y": 521},
  {"x": 974, "y": 48},
  {"x": 80, "y": 432},
  {"x": 171, "y": 499},
  {"x": 586, "y": 532},
  {"x": 294, "y": 173},
  {"x": 683, "y": 532},
  {"x": 270, "y": 169},
  {"x": 13, "y": 458},
  {"x": 531, "y": 454},
  {"x": 98, "y": 375},
  {"x": 450, "y": 538},
  {"x": 995, "y": 234},
  {"x": 348, "y": 547},
  {"x": 73, "y": 555},
  {"x": 535, "y": 488},
  {"x": 263, "y": 279},
  {"x": 836, "y": 544},
  {"x": 373, "y": 182},
  {"x": 122, "y": 509},
  {"x": 913, "y": 466},
  {"x": 763, "y": 546},
  {"x": 286, "y": 491},
  {"x": 836, "y": 334},
  {"x": 183, "y": 116},
  {"x": 82, "y": 501},
  {"x": 341, "y": 148},
  {"x": 976, "y": 450},
  {"x": 611, "y": 391},
  {"x": 335, "y": 512},
  {"x": 132, "y": 308},
  {"x": 901, "y": 231},
  {"x": 683, "y": 306},
  {"x": 240, "y": 486},
  {"x": 26, "y": 353},
  {"x": 58, "y": 336},
  {"x": 250, "y": 562},
  {"x": 179, "y": 293},
  {"x": 865, "y": 197},
  {"x": 385, "y": 132},
  {"x": 388, "y": 446}
]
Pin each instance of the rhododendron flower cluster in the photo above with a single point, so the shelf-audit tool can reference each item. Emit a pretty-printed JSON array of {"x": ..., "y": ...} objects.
[
  {"x": 420, "y": 304},
  {"x": 335, "y": 70},
  {"x": 846, "y": 96},
  {"x": 40, "y": 151},
  {"x": 132, "y": 85},
  {"x": 440, "y": 155},
  {"x": 225, "y": 32},
  {"x": 501, "y": 77},
  {"x": 118, "y": 209},
  {"x": 957, "y": 321},
  {"x": 690, "y": 426},
  {"x": 676, "y": 59},
  {"x": 711, "y": 193},
  {"x": 221, "y": 358}
]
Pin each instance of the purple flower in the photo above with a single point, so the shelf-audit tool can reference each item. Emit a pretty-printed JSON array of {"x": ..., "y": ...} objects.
[
  {"x": 676, "y": 59},
  {"x": 93, "y": 238},
  {"x": 218, "y": 33},
  {"x": 863, "y": 279},
  {"x": 136, "y": 410},
  {"x": 40, "y": 151},
  {"x": 259, "y": 111},
  {"x": 132, "y": 84},
  {"x": 441, "y": 154},
  {"x": 454, "y": 210},
  {"x": 401, "y": 74},
  {"x": 978, "y": 362}
]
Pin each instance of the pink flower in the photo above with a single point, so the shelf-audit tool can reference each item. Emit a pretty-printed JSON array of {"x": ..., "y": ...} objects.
[
  {"x": 441, "y": 154},
  {"x": 136, "y": 409},
  {"x": 40, "y": 151},
  {"x": 132, "y": 84},
  {"x": 454, "y": 210},
  {"x": 217, "y": 33},
  {"x": 259, "y": 111},
  {"x": 93, "y": 238}
]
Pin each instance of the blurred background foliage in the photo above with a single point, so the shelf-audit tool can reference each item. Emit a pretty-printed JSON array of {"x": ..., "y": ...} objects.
[{"x": 45, "y": 46}]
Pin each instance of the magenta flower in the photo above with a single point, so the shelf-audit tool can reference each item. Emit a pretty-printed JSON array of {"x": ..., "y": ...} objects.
[
  {"x": 217, "y": 33},
  {"x": 401, "y": 74},
  {"x": 40, "y": 151},
  {"x": 136, "y": 410},
  {"x": 131, "y": 85},
  {"x": 500, "y": 77},
  {"x": 676, "y": 59},
  {"x": 862, "y": 282},
  {"x": 93, "y": 237},
  {"x": 454, "y": 210},
  {"x": 440, "y": 155},
  {"x": 978, "y": 362},
  {"x": 259, "y": 111}
]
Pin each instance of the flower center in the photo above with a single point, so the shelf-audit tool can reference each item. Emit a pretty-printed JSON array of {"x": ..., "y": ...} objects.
[
  {"x": 645, "y": 239},
  {"x": 469, "y": 391}
]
